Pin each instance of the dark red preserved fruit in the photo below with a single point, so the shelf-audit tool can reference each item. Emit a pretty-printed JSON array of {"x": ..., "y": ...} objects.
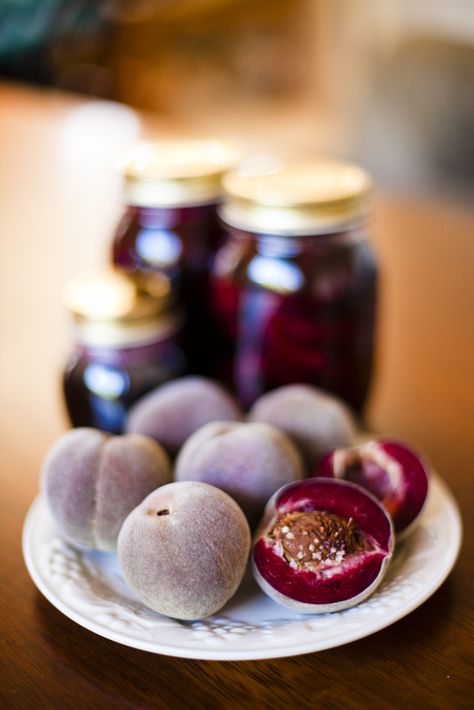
[{"x": 295, "y": 282}]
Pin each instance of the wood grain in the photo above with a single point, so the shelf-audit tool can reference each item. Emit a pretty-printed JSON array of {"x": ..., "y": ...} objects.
[{"x": 59, "y": 201}]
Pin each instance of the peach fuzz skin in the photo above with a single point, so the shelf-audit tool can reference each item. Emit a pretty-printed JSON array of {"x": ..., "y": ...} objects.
[
  {"x": 92, "y": 480},
  {"x": 184, "y": 549}
]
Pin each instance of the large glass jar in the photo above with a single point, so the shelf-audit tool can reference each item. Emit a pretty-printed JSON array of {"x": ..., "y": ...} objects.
[
  {"x": 170, "y": 226},
  {"x": 127, "y": 343},
  {"x": 294, "y": 284}
]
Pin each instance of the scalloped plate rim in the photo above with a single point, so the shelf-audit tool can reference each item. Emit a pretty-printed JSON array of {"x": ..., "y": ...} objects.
[{"x": 34, "y": 518}]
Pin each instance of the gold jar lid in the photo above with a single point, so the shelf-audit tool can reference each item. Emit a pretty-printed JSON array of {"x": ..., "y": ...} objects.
[
  {"x": 306, "y": 197},
  {"x": 113, "y": 308},
  {"x": 177, "y": 172}
]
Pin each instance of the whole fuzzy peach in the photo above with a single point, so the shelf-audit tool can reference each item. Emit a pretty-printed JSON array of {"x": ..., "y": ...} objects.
[
  {"x": 249, "y": 461},
  {"x": 184, "y": 549},
  {"x": 316, "y": 421},
  {"x": 175, "y": 410},
  {"x": 91, "y": 481}
]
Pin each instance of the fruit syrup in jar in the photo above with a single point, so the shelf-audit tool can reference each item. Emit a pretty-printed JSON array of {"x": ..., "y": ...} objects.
[
  {"x": 127, "y": 343},
  {"x": 170, "y": 226},
  {"x": 295, "y": 283}
]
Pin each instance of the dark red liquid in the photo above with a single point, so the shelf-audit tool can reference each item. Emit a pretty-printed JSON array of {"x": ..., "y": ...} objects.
[
  {"x": 296, "y": 309},
  {"x": 180, "y": 242},
  {"x": 100, "y": 384}
]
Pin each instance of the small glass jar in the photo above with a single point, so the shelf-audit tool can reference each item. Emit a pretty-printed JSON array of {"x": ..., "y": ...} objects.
[
  {"x": 295, "y": 283},
  {"x": 170, "y": 226},
  {"x": 127, "y": 343}
]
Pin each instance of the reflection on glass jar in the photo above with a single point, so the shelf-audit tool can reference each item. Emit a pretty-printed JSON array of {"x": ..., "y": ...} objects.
[
  {"x": 127, "y": 343},
  {"x": 170, "y": 226},
  {"x": 295, "y": 282}
]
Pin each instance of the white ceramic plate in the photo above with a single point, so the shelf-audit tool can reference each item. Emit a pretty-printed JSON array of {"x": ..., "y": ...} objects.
[{"x": 89, "y": 589}]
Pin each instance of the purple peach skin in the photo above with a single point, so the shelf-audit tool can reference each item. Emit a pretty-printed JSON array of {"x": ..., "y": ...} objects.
[
  {"x": 249, "y": 461},
  {"x": 172, "y": 412},
  {"x": 316, "y": 421},
  {"x": 92, "y": 480},
  {"x": 184, "y": 549}
]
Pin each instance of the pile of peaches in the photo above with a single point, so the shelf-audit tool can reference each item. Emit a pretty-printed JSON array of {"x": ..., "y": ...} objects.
[{"x": 178, "y": 494}]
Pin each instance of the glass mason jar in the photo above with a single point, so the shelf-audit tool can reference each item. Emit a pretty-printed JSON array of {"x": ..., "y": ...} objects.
[
  {"x": 127, "y": 343},
  {"x": 170, "y": 226},
  {"x": 294, "y": 285}
]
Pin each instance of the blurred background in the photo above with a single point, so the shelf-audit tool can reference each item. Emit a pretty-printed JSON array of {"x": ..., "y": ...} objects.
[{"x": 389, "y": 83}]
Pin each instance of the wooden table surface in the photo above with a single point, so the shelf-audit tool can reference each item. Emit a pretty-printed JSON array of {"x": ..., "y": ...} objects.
[{"x": 59, "y": 197}]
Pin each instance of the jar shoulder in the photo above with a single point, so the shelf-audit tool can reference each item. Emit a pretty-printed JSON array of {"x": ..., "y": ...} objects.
[{"x": 248, "y": 260}]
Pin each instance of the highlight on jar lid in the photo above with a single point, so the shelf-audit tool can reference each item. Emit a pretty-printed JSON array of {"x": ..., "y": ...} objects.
[
  {"x": 177, "y": 172},
  {"x": 268, "y": 194},
  {"x": 107, "y": 304}
]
